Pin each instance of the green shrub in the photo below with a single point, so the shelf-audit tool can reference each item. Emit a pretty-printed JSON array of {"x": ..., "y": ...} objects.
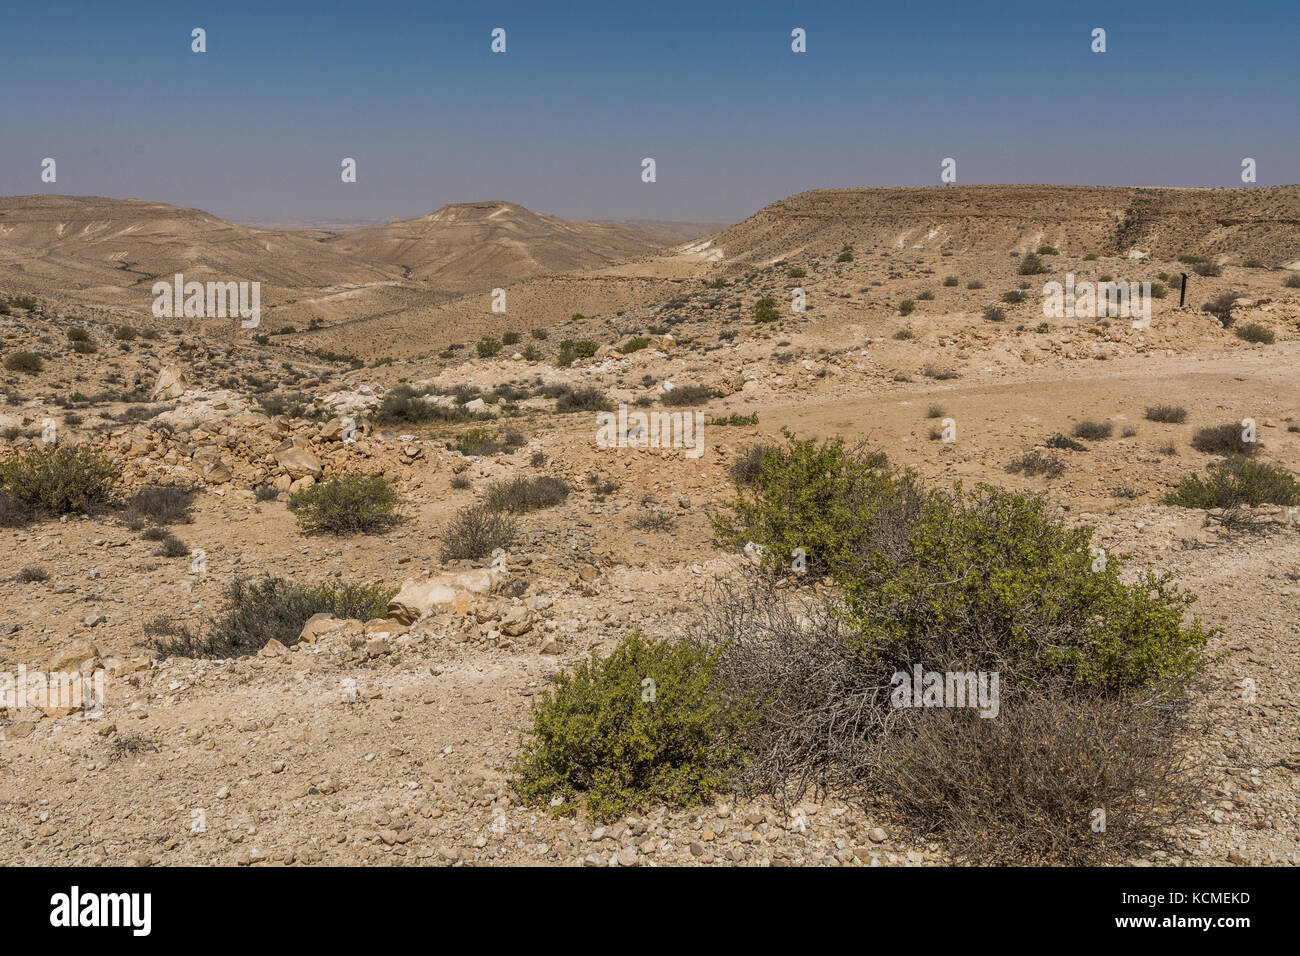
[
  {"x": 510, "y": 338},
  {"x": 634, "y": 344},
  {"x": 1234, "y": 482},
  {"x": 347, "y": 504},
  {"x": 797, "y": 273},
  {"x": 488, "y": 347},
  {"x": 804, "y": 495},
  {"x": 28, "y": 362},
  {"x": 1254, "y": 332},
  {"x": 988, "y": 576},
  {"x": 85, "y": 348},
  {"x": 257, "y": 611},
  {"x": 765, "y": 309},
  {"x": 998, "y": 583},
  {"x": 951, "y": 281},
  {"x": 64, "y": 479},
  {"x": 906, "y": 307},
  {"x": 124, "y": 333},
  {"x": 404, "y": 405},
  {"x": 1031, "y": 265},
  {"x": 642, "y": 726},
  {"x": 477, "y": 441},
  {"x": 78, "y": 334}
]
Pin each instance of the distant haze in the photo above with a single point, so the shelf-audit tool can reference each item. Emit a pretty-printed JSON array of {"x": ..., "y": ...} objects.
[{"x": 254, "y": 129}]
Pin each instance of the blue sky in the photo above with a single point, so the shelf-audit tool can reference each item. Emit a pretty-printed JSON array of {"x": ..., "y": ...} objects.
[{"x": 255, "y": 128}]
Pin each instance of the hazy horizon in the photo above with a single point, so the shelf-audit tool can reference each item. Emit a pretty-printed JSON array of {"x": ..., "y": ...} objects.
[{"x": 254, "y": 130}]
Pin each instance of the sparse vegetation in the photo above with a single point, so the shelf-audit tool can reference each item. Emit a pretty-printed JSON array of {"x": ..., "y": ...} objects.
[{"x": 257, "y": 611}]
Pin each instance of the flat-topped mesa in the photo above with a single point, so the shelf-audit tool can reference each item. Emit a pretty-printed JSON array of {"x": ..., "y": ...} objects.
[{"x": 1261, "y": 223}]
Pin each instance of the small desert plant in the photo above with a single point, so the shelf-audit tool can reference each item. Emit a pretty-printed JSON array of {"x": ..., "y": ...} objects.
[
  {"x": 347, "y": 504},
  {"x": 161, "y": 504},
  {"x": 1093, "y": 431},
  {"x": 510, "y": 338},
  {"x": 257, "y": 611},
  {"x": 28, "y": 362},
  {"x": 475, "y": 532},
  {"x": 1224, "y": 440},
  {"x": 33, "y": 575},
  {"x": 906, "y": 307},
  {"x": 477, "y": 442},
  {"x": 951, "y": 281},
  {"x": 654, "y": 519},
  {"x": 124, "y": 333},
  {"x": 1037, "y": 463},
  {"x": 1221, "y": 307},
  {"x": 642, "y": 726},
  {"x": 1291, "y": 282},
  {"x": 765, "y": 310},
  {"x": 1064, "y": 442},
  {"x": 521, "y": 495},
  {"x": 172, "y": 547},
  {"x": 1031, "y": 265},
  {"x": 488, "y": 347},
  {"x": 587, "y": 399},
  {"x": 1236, "y": 482},
  {"x": 1256, "y": 333},
  {"x": 687, "y": 395},
  {"x": 1167, "y": 414}
]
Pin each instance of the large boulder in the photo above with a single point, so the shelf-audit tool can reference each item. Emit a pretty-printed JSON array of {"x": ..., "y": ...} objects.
[
  {"x": 171, "y": 384},
  {"x": 296, "y": 458},
  {"x": 453, "y": 591}
]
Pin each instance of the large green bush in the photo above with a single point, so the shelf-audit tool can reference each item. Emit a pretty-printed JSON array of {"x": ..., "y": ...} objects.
[
  {"x": 989, "y": 579},
  {"x": 985, "y": 578},
  {"x": 643, "y": 726},
  {"x": 817, "y": 497}
]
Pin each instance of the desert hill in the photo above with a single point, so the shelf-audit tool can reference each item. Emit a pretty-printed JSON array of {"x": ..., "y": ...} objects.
[
  {"x": 483, "y": 245},
  {"x": 88, "y": 241}
]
